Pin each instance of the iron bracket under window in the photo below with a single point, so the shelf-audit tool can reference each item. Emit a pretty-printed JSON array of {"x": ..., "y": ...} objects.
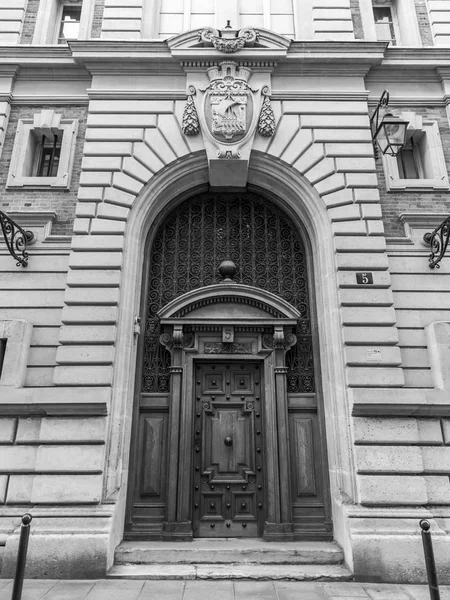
[
  {"x": 438, "y": 241},
  {"x": 16, "y": 239}
]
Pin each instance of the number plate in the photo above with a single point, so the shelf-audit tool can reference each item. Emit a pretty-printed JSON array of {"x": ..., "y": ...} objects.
[{"x": 364, "y": 278}]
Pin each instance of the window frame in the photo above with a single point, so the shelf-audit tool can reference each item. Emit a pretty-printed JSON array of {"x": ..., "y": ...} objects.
[
  {"x": 59, "y": 15},
  {"x": 49, "y": 18},
  {"x": 409, "y": 33},
  {"x": 301, "y": 28},
  {"x": 21, "y": 149},
  {"x": 439, "y": 181},
  {"x": 395, "y": 23}
]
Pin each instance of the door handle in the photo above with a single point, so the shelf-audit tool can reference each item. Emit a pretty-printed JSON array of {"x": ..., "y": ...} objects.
[{"x": 228, "y": 441}]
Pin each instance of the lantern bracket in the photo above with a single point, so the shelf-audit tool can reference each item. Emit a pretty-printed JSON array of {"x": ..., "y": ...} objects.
[
  {"x": 16, "y": 238},
  {"x": 438, "y": 242},
  {"x": 383, "y": 129},
  {"x": 375, "y": 124}
]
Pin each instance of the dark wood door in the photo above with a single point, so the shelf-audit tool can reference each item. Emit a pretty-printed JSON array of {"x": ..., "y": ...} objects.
[{"x": 228, "y": 495}]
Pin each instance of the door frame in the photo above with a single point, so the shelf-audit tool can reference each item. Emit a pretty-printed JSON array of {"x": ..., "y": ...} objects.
[{"x": 194, "y": 326}]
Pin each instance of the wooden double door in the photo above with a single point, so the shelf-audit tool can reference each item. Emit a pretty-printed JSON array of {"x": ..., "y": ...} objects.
[{"x": 228, "y": 482}]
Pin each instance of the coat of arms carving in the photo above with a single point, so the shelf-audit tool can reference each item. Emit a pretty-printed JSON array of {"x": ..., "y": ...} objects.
[{"x": 228, "y": 102}]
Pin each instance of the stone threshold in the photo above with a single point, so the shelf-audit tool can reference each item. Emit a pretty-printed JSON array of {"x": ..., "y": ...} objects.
[{"x": 247, "y": 572}]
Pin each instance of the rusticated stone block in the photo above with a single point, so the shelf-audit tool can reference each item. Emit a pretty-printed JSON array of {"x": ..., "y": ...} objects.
[
  {"x": 56, "y": 429},
  {"x": 385, "y": 459},
  {"x": 83, "y": 375},
  {"x": 446, "y": 430},
  {"x": 438, "y": 489},
  {"x": 392, "y": 490},
  {"x": 28, "y": 430},
  {"x": 17, "y": 458},
  {"x": 3, "y": 487},
  {"x": 7, "y": 430},
  {"x": 69, "y": 458},
  {"x": 396, "y": 431},
  {"x": 436, "y": 460},
  {"x": 54, "y": 489}
]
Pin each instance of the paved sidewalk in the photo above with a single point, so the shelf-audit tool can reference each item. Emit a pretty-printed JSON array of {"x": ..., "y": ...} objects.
[{"x": 108, "y": 589}]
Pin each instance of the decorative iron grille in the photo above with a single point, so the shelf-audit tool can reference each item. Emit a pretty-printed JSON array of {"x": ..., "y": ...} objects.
[{"x": 190, "y": 245}]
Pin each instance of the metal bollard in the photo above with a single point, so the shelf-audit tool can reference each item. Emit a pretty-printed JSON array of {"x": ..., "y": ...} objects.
[
  {"x": 429, "y": 560},
  {"x": 21, "y": 557}
]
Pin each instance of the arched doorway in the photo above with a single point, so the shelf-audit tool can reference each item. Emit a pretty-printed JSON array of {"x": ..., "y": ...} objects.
[{"x": 228, "y": 426}]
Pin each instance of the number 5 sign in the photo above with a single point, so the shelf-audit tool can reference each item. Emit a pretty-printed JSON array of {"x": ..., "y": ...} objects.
[{"x": 364, "y": 278}]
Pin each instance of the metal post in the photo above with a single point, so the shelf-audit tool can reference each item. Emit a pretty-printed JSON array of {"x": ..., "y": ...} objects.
[
  {"x": 429, "y": 560},
  {"x": 21, "y": 557}
]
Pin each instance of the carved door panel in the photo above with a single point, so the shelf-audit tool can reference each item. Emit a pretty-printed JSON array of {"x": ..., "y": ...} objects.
[{"x": 228, "y": 451}]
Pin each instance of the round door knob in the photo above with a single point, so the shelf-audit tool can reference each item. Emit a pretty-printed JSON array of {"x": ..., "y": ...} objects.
[{"x": 228, "y": 441}]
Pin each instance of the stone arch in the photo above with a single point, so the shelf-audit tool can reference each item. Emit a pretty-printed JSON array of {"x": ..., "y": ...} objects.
[{"x": 287, "y": 188}]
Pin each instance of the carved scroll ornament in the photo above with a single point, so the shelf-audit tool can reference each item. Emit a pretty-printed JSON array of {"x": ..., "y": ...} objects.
[{"x": 228, "y": 45}]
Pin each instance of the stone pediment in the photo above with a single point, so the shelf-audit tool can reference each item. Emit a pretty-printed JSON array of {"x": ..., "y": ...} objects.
[
  {"x": 209, "y": 44},
  {"x": 222, "y": 303}
]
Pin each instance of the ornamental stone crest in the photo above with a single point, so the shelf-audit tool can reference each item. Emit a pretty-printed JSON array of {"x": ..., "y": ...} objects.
[
  {"x": 228, "y": 112},
  {"x": 228, "y": 40},
  {"x": 228, "y": 102}
]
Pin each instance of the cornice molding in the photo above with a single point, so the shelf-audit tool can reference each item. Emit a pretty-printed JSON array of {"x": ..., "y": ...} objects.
[
  {"x": 431, "y": 56},
  {"x": 114, "y": 94},
  {"x": 21, "y": 99},
  {"x": 346, "y": 96},
  {"x": 35, "y": 54}
]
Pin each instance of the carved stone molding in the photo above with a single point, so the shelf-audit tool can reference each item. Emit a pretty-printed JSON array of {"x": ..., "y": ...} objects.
[
  {"x": 227, "y": 348},
  {"x": 190, "y": 124},
  {"x": 228, "y": 41}
]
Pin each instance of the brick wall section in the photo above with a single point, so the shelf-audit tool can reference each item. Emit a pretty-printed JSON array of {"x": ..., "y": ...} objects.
[
  {"x": 423, "y": 21},
  {"x": 98, "y": 18},
  {"x": 356, "y": 18},
  {"x": 58, "y": 201},
  {"x": 395, "y": 203},
  {"x": 29, "y": 22}
]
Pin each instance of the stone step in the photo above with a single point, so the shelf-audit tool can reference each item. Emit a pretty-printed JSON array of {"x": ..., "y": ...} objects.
[
  {"x": 232, "y": 572},
  {"x": 226, "y": 551}
]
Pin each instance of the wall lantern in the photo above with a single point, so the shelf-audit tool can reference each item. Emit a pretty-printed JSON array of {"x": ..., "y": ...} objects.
[
  {"x": 390, "y": 132},
  {"x": 438, "y": 241},
  {"x": 16, "y": 239}
]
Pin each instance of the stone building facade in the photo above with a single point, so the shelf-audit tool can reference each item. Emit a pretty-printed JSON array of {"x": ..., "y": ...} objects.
[{"x": 302, "y": 394}]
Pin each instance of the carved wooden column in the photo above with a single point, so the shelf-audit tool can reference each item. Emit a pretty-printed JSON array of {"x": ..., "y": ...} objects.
[
  {"x": 282, "y": 527},
  {"x": 175, "y": 344}
]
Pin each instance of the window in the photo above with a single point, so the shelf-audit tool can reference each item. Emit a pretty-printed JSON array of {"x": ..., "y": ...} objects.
[
  {"x": 69, "y": 22},
  {"x": 176, "y": 16},
  {"x": 43, "y": 154},
  {"x": 420, "y": 164},
  {"x": 43, "y": 151},
  {"x": 384, "y": 24},
  {"x": 392, "y": 21},
  {"x": 61, "y": 20},
  {"x": 413, "y": 160}
]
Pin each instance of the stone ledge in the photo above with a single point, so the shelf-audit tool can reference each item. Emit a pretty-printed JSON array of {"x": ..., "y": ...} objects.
[
  {"x": 399, "y": 402},
  {"x": 55, "y": 401}
]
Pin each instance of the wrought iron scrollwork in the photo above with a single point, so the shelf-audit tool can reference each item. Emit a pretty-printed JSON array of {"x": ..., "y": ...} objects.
[
  {"x": 438, "y": 241},
  {"x": 259, "y": 238},
  {"x": 16, "y": 239}
]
